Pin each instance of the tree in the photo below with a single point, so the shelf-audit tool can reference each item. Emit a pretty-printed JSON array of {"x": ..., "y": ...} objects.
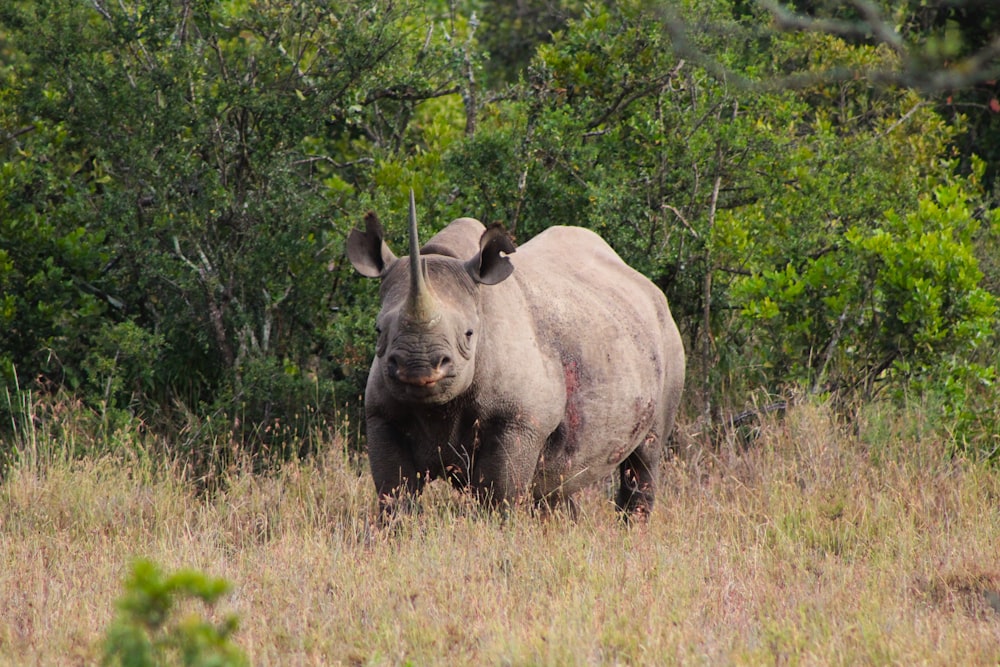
[
  {"x": 180, "y": 176},
  {"x": 751, "y": 205}
]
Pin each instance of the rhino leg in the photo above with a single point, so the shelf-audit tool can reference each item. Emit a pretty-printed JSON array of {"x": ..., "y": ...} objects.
[
  {"x": 397, "y": 480},
  {"x": 554, "y": 504},
  {"x": 504, "y": 466},
  {"x": 639, "y": 474}
]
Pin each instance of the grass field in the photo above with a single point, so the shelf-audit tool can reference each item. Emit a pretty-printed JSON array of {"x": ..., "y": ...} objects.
[{"x": 809, "y": 547}]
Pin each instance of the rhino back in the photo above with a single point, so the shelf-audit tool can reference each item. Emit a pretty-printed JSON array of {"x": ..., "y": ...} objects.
[
  {"x": 608, "y": 332},
  {"x": 460, "y": 239}
]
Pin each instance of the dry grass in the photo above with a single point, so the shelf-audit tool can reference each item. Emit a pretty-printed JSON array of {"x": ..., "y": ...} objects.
[{"x": 811, "y": 547}]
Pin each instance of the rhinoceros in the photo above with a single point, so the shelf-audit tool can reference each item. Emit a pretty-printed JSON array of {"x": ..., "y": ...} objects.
[{"x": 523, "y": 376}]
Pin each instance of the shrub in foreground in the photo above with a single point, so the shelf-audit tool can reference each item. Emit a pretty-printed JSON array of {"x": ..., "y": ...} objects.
[{"x": 147, "y": 630}]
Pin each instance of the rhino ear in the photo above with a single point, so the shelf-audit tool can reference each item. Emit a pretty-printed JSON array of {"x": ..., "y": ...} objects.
[
  {"x": 367, "y": 250},
  {"x": 491, "y": 265}
]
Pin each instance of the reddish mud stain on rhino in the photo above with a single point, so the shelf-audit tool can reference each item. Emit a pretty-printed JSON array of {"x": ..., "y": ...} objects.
[{"x": 573, "y": 419}]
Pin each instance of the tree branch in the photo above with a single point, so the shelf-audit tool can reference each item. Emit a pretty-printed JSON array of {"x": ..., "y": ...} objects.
[{"x": 982, "y": 66}]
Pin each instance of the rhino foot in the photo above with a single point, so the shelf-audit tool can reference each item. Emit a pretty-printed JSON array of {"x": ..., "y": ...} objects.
[{"x": 638, "y": 478}]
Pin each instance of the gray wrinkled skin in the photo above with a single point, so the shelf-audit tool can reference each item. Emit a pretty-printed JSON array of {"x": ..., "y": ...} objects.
[{"x": 524, "y": 378}]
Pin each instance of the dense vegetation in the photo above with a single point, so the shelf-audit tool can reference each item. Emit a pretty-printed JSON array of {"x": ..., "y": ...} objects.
[{"x": 813, "y": 187}]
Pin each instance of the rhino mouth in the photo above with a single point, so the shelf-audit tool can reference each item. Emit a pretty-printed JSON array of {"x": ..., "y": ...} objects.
[
  {"x": 421, "y": 383},
  {"x": 437, "y": 392},
  {"x": 421, "y": 378}
]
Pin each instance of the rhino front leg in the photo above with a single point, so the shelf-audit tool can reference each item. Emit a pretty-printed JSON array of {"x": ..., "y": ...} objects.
[
  {"x": 394, "y": 471},
  {"x": 397, "y": 497},
  {"x": 505, "y": 466},
  {"x": 639, "y": 477}
]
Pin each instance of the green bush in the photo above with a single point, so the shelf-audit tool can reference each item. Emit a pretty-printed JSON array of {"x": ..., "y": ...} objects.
[
  {"x": 174, "y": 200},
  {"x": 148, "y": 630},
  {"x": 178, "y": 181}
]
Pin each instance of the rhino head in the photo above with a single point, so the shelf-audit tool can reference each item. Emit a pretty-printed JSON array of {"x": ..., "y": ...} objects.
[{"x": 428, "y": 325}]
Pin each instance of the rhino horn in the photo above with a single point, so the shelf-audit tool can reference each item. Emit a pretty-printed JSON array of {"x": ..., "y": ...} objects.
[{"x": 421, "y": 304}]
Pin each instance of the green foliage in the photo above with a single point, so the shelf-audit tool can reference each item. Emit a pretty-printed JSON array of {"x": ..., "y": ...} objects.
[
  {"x": 896, "y": 296},
  {"x": 516, "y": 29},
  {"x": 148, "y": 632},
  {"x": 179, "y": 180},
  {"x": 944, "y": 46},
  {"x": 825, "y": 231},
  {"x": 173, "y": 210}
]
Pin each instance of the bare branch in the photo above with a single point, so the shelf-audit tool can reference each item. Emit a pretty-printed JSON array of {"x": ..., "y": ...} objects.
[
  {"x": 310, "y": 159},
  {"x": 630, "y": 94},
  {"x": 913, "y": 72},
  {"x": 680, "y": 216},
  {"x": 879, "y": 27},
  {"x": 210, "y": 283},
  {"x": 408, "y": 94},
  {"x": 905, "y": 117},
  {"x": 522, "y": 183},
  {"x": 872, "y": 25},
  {"x": 707, "y": 341},
  {"x": 469, "y": 93}
]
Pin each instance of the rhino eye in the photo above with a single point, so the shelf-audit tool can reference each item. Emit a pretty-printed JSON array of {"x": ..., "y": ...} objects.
[
  {"x": 378, "y": 330},
  {"x": 468, "y": 334}
]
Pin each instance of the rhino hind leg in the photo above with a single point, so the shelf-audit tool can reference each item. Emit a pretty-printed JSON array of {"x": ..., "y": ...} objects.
[{"x": 639, "y": 475}]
